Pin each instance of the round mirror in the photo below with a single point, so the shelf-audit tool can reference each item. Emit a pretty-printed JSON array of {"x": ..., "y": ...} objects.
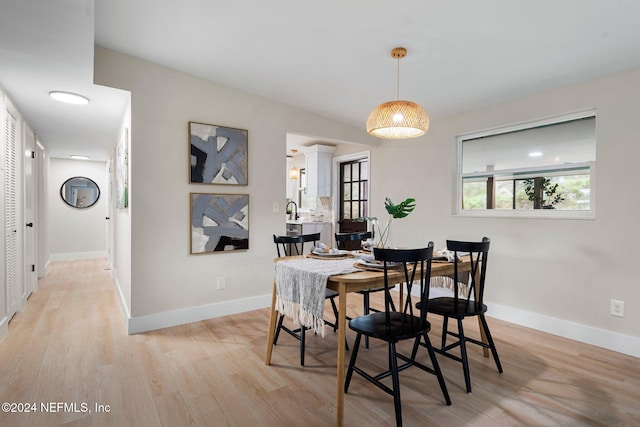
[{"x": 80, "y": 192}]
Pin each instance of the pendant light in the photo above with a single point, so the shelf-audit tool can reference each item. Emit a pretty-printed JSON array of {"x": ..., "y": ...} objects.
[
  {"x": 398, "y": 119},
  {"x": 293, "y": 172}
]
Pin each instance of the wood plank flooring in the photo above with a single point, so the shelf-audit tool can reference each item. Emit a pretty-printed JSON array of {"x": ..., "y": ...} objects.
[{"x": 69, "y": 346}]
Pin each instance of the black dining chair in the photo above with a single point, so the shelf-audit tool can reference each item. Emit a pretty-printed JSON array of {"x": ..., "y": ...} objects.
[
  {"x": 290, "y": 246},
  {"x": 465, "y": 302},
  {"x": 342, "y": 242},
  {"x": 394, "y": 326}
]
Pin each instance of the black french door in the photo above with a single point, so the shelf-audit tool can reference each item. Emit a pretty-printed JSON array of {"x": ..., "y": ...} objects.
[{"x": 354, "y": 195}]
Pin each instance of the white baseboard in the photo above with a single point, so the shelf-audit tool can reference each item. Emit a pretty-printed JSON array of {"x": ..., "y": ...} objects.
[
  {"x": 47, "y": 267},
  {"x": 122, "y": 301},
  {"x": 194, "y": 314},
  {"x": 614, "y": 341},
  {"x": 4, "y": 327},
  {"x": 70, "y": 256},
  {"x": 587, "y": 334}
]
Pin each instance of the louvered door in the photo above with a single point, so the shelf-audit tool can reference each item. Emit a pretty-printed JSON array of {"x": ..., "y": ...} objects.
[{"x": 11, "y": 217}]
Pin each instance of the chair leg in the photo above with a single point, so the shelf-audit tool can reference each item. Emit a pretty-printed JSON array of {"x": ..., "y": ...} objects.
[
  {"x": 416, "y": 345},
  {"x": 485, "y": 326},
  {"x": 436, "y": 366},
  {"x": 395, "y": 380},
  {"x": 352, "y": 362},
  {"x": 278, "y": 328},
  {"x": 366, "y": 311},
  {"x": 445, "y": 324},
  {"x": 463, "y": 354},
  {"x": 302, "y": 334},
  {"x": 335, "y": 313}
]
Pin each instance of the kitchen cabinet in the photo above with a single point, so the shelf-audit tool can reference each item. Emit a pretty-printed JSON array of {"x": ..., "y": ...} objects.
[
  {"x": 295, "y": 228},
  {"x": 318, "y": 162}
]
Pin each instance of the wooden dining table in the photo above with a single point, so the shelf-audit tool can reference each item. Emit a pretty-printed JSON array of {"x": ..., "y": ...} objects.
[{"x": 353, "y": 282}]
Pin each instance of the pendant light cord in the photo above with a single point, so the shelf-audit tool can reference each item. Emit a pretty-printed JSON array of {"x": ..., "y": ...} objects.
[{"x": 398, "y": 88}]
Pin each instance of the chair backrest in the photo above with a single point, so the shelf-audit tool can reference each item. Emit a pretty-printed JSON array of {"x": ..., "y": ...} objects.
[
  {"x": 416, "y": 266},
  {"x": 294, "y": 245},
  {"x": 478, "y": 253},
  {"x": 343, "y": 239}
]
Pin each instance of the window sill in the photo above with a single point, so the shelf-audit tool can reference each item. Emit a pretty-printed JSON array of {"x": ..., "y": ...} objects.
[{"x": 527, "y": 214}]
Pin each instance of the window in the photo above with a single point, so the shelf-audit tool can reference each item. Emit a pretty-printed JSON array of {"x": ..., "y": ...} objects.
[
  {"x": 354, "y": 181},
  {"x": 538, "y": 169}
]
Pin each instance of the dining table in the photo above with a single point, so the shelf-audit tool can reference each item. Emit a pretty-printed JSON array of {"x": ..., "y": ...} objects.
[{"x": 348, "y": 283}]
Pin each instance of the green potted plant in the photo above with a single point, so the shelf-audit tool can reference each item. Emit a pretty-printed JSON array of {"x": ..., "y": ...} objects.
[{"x": 382, "y": 229}]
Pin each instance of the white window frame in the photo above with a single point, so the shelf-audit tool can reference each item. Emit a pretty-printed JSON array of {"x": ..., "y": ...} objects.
[{"x": 526, "y": 213}]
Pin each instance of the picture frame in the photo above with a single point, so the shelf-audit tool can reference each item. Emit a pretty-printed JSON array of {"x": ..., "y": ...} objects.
[
  {"x": 218, "y": 154},
  {"x": 219, "y": 223}
]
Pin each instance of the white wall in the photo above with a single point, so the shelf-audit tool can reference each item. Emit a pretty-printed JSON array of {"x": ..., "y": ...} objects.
[
  {"x": 76, "y": 233},
  {"x": 556, "y": 275},
  {"x": 169, "y": 286},
  {"x": 121, "y": 223}
]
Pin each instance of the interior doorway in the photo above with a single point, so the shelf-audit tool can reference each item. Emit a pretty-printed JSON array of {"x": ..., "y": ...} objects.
[{"x": 353, "y": 192}]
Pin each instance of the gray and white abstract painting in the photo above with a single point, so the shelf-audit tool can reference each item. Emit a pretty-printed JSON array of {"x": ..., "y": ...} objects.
[
  {"x": 219, "y": 222},
  {"x": 218, "y": 154}
]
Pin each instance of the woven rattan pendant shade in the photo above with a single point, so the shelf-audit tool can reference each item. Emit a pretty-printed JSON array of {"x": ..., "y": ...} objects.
[{"x": 398, "y": 119}]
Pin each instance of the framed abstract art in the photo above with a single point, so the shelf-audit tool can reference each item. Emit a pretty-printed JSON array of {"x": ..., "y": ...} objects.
[
  {"x": 122, "y": 171},
  {"x": 219, "y": 222},
  {"x": 218, "y": 154}
]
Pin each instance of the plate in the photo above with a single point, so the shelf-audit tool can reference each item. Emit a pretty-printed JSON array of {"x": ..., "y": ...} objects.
[
  {"x": 340, "y": 254},
  {"x": 378, "y": 266}
]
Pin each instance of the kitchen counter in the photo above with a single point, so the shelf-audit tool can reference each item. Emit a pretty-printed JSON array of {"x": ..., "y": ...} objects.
[{"x": 304, "y": 221}]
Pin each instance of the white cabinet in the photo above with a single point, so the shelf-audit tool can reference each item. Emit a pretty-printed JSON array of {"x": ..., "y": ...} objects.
[
  {"x": 318, "y": 161},
  {"x": 295, "y": 228},
  {"x": 324, "y": 228}
]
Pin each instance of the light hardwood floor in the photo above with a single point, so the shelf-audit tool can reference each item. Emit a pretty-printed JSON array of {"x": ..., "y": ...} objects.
[{"x": 69, "y": 345}]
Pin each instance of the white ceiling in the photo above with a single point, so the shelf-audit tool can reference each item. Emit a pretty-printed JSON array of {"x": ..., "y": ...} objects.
[{"x": 329, "y": 57}]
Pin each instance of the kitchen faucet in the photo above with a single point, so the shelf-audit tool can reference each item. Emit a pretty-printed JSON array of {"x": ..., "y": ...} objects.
[{"x": 295, "y": 205}]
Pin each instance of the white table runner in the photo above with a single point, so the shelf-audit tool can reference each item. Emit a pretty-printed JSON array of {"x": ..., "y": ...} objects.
[{"x": 300, "y": 288}]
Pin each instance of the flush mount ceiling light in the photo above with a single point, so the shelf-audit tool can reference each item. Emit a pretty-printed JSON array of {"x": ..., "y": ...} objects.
[
  {"x": 69, "y": 97},
  {"x": 79, "y": 157},
  {"x": 293, "y": 172},
  {"x": 398, "y": 119}
]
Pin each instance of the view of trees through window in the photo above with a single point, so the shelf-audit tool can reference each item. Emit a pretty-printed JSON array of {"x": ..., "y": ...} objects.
[
  {"x": 564, "y": 192},
  {"x": 547, "y": 166}
]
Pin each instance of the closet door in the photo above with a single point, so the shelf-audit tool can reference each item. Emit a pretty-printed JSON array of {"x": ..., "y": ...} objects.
[{"x": 10, "y": 212}]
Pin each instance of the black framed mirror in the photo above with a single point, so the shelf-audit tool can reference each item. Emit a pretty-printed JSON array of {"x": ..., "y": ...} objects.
[{"x": 80, "y": 192}]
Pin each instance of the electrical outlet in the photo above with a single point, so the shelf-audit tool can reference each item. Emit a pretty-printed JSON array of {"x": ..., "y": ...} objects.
[
  {"x": 220, "y": 283},
  {"x": 276, "y": 207},
  {"x": 617, "y": 308}
]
